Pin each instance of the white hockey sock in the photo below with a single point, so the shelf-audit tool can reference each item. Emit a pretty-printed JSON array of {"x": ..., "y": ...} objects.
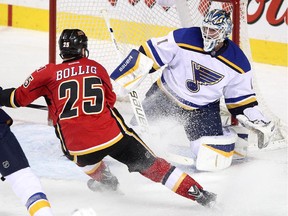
[
  {"x": 26, "y": 185},
  {"x": 38, "y": 205}
]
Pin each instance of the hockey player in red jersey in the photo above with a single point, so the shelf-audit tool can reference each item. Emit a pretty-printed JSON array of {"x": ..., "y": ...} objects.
[
  {"x": 81, "y": 102},
  {"x": 15, "y": 169}
]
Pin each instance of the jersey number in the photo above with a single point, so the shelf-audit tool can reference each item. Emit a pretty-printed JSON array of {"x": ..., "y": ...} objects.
[{"x": 91, "y": 102}]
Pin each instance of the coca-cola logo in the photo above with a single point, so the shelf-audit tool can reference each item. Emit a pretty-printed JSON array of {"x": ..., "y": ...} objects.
[{"x": 273, "y": 15}]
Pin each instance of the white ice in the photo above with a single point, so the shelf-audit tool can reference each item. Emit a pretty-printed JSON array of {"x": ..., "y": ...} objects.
[{"x": 254, "y": 187}]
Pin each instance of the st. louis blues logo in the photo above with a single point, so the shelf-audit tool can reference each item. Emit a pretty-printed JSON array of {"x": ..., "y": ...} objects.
[{"x": 202, "y": 76}]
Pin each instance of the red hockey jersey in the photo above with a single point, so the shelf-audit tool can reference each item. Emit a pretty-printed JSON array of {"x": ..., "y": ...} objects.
[{"x": 80, "y": 98}]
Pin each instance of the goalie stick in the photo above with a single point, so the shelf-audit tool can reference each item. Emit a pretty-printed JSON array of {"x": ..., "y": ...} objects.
[
  {"x": 133, "y": 95},
  {"x": 136, "y": 102}
]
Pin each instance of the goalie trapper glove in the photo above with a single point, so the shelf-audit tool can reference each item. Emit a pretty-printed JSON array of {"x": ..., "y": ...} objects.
[{"x": 254, "y": 120}]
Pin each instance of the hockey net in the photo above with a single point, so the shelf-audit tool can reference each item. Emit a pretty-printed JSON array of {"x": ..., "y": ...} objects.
[{"x": 135, "y": 21}]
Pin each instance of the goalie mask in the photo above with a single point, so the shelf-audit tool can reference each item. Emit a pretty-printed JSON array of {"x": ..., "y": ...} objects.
[
  {"x": 216, "y": 27},
  {"x": 71, "y": 43}
]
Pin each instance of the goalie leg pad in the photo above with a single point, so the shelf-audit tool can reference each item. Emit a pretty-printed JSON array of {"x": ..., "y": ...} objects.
[
  {"x": 241, "y": 145},
  {"x": 214, "y": 153}
]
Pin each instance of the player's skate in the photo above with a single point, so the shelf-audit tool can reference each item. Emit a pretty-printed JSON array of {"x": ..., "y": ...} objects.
[
  {"x": 107, "y": 182},
  {"x": 203, "y": 197},
  {"x": 84, "y": 212}
]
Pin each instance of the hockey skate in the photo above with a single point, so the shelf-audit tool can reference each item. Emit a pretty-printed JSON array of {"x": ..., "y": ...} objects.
[
  {"x": 84, "y": 212},
  {"x": 204, "y": 198},
  {"x": 108, "y": 182}
]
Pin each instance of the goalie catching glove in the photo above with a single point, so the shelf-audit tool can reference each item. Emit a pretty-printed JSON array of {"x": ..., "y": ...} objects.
[
  {"x": 132, "y": 71},
  {"x": 254, "y": 120}
]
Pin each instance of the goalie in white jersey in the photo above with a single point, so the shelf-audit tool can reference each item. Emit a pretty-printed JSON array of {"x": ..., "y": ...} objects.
[{"x": 200, "y": 66}]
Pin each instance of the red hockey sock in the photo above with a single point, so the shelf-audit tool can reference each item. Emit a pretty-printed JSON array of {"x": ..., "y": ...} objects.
[
  {"x": 157, "y": 171},
  {"x": 184, "y": 184},
  {"x": 172, "y": 177},
  {"x": 96, "y": 171}
]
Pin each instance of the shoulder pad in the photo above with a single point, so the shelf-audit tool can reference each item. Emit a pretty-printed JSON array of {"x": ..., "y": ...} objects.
[
  {"x": 189, "y": 38},
  {"x": 235, "y": 58}
]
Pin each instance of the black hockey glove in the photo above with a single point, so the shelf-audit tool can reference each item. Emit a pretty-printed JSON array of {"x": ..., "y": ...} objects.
[{"x": 5, "y": 96}]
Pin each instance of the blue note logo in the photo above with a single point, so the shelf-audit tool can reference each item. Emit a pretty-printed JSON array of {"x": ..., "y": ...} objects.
[{"x": 202, "y": 76}]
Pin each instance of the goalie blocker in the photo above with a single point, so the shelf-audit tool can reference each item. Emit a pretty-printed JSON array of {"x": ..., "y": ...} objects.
[{"x": 132, "y": 70}]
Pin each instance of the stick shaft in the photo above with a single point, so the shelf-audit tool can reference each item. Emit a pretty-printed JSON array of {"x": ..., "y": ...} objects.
[
  {"x": 37, "y": 106},
  {"x": 133, "y": 96}
]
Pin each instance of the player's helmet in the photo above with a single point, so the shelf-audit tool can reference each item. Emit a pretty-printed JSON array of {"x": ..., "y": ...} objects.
[
  {"x": 71, "y": 42},
  {"x": 216, "y": 27}
]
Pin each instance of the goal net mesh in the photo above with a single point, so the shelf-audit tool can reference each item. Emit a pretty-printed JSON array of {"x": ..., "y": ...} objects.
[{"x": 134, "y": 22}]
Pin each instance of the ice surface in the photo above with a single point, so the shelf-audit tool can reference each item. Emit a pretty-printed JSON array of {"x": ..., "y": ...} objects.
[{"x": 255, "y": 187}]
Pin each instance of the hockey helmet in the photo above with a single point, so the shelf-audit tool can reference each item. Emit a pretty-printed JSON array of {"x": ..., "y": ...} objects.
[
  {"x": 71, "y": 43},
  {"x": 216, "y": 27}
]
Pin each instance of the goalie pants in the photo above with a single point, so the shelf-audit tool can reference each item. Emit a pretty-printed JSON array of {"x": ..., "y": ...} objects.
[{"x": 197, "y": 123}]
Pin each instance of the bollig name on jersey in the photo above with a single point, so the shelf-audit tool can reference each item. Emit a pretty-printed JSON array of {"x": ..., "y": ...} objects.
[{"x": 75, "y": 71}]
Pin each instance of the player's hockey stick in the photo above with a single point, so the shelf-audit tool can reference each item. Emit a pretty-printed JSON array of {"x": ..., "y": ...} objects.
[
  {"x": 136, "y": 102},
  {"x": 37, "y": 106}
]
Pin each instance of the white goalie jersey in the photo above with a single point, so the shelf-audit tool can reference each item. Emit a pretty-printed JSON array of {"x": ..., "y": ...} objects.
[{"x": 194, "y": 78}]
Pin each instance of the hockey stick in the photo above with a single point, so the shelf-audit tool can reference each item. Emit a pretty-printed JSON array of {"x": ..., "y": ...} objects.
[
  {"x": 179, "y": 159},
  {"x": 133, "y": 95},
  {"x": 136, "y": 103},
  {"x": 183, "y": 13},
  {"x": 37, "y": 106}
]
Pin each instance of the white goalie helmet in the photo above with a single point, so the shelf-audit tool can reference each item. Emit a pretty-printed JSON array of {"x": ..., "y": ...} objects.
[{"x": 216, "y": 27}]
